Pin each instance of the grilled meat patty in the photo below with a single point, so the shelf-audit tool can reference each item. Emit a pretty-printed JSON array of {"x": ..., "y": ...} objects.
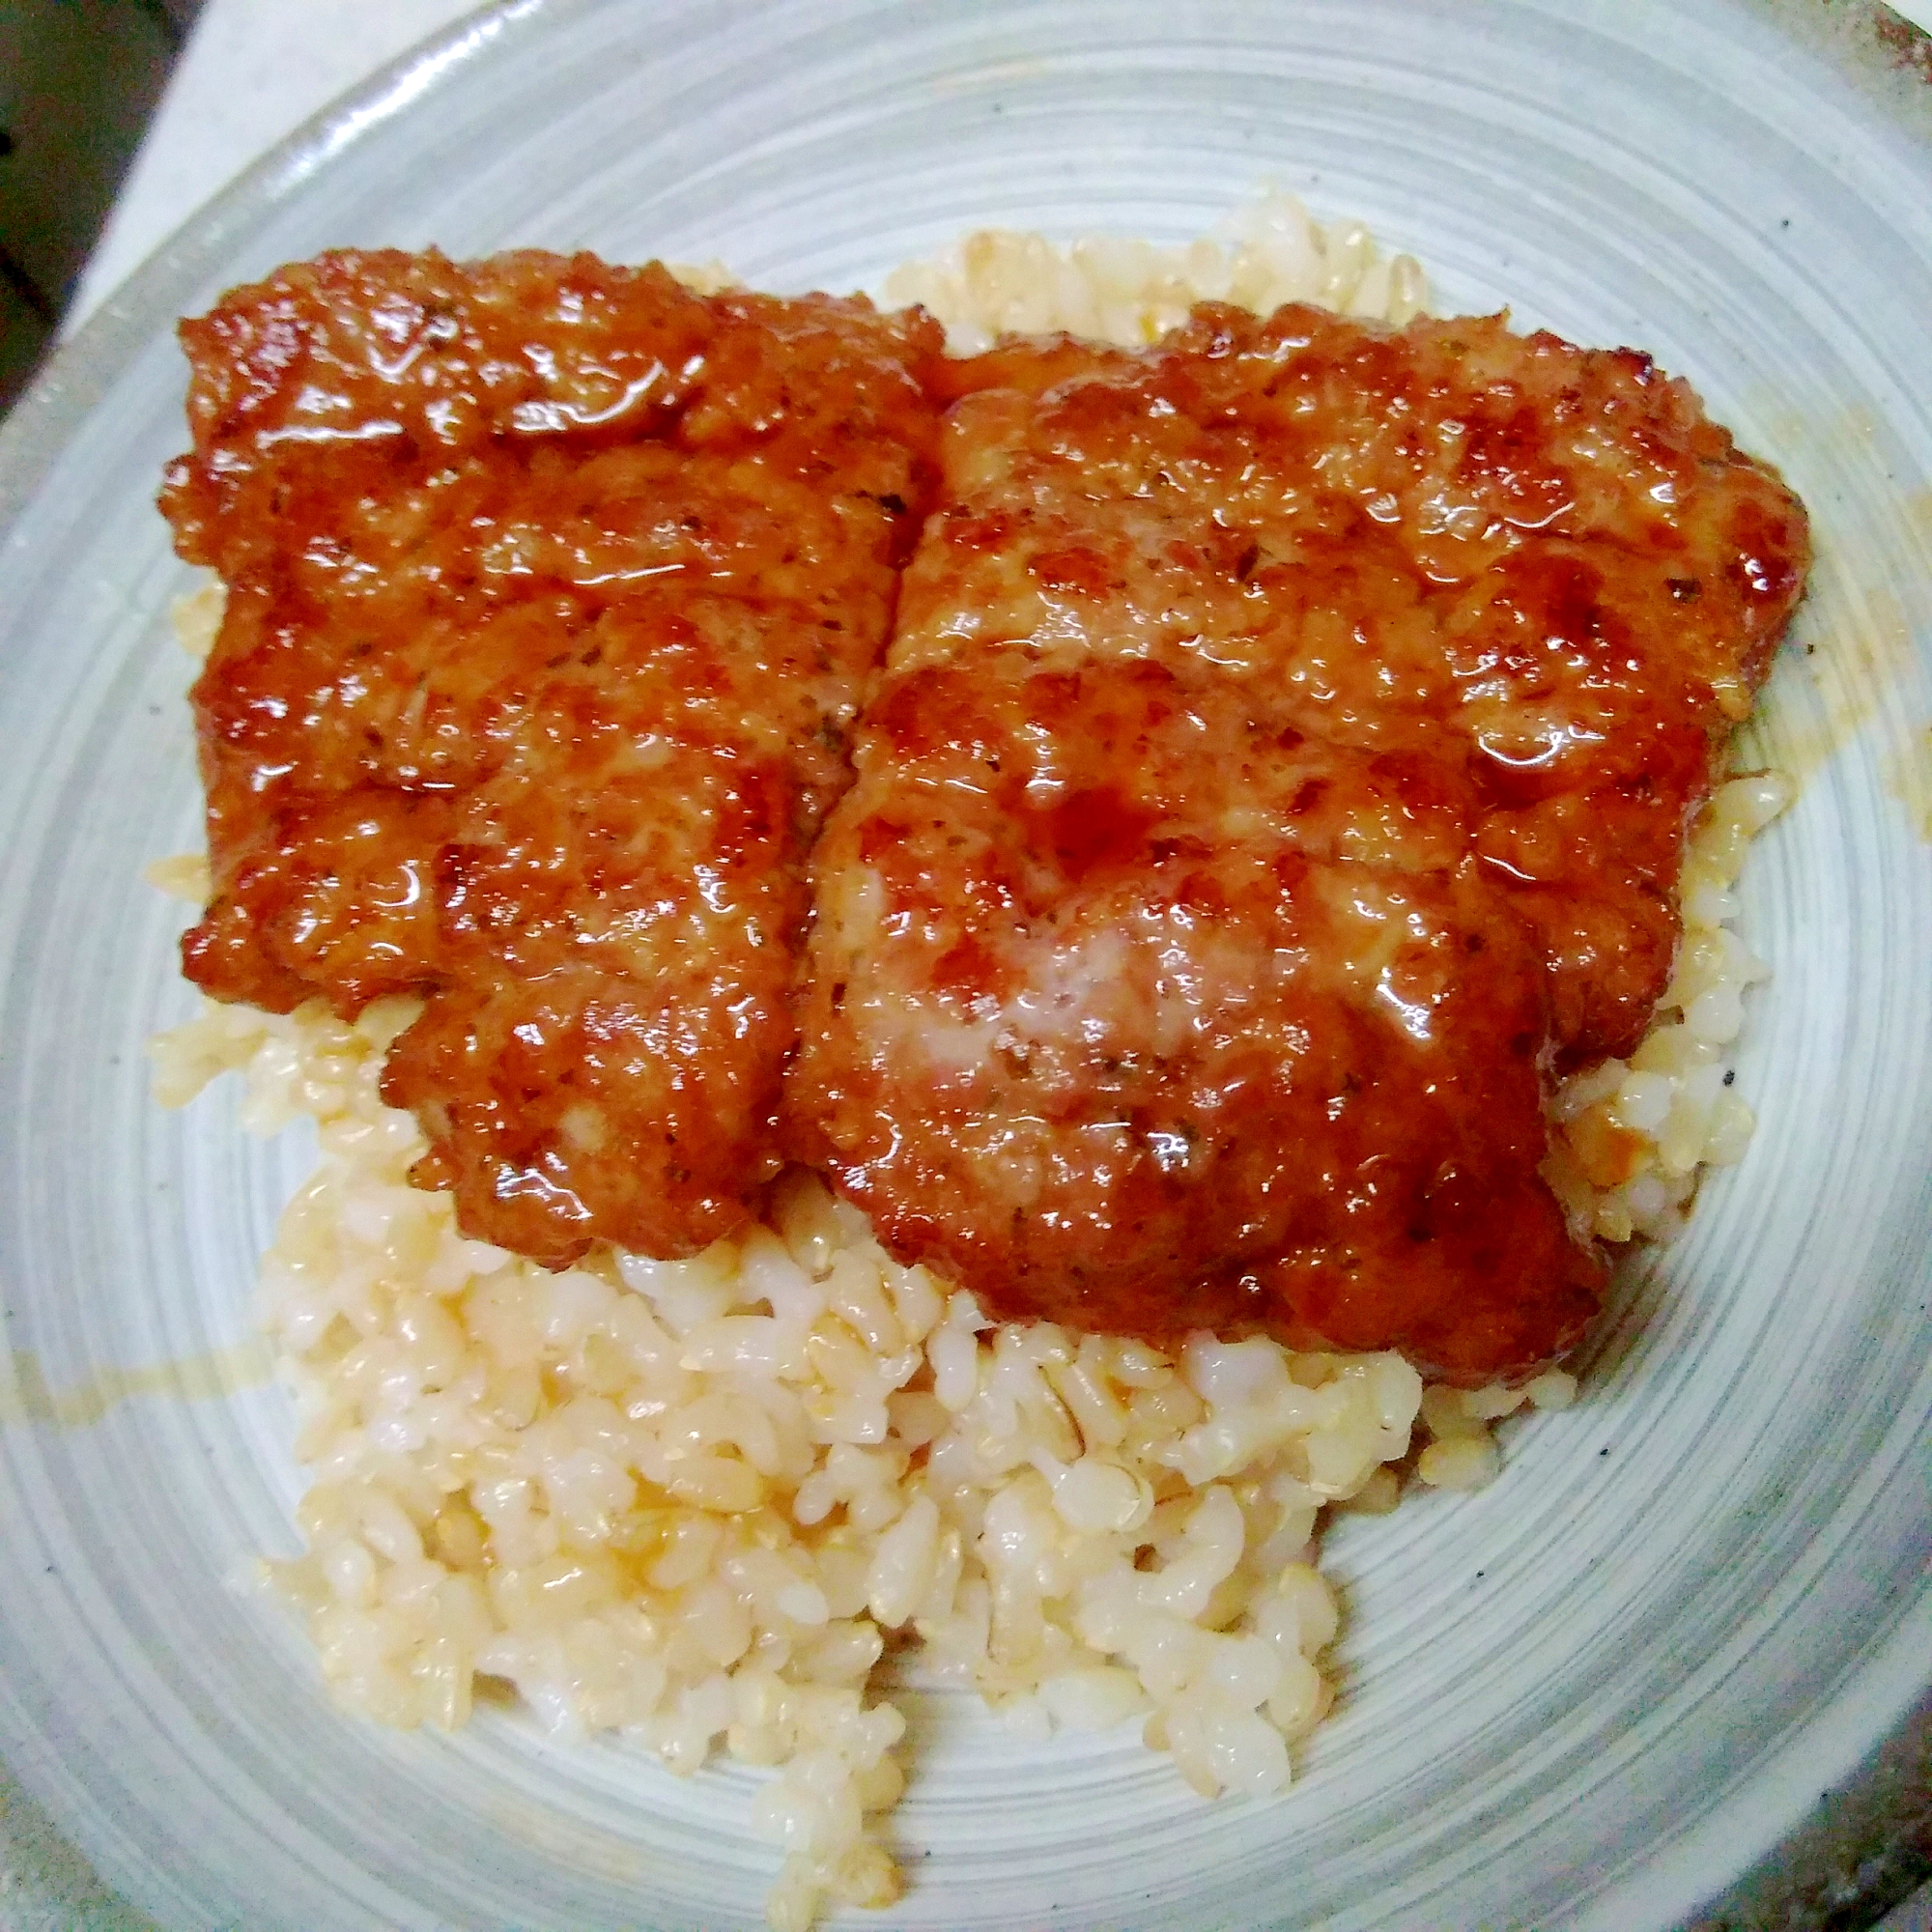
[
  {"x": 1281, "y": 769},
  {"x": 551, "y": 589}
]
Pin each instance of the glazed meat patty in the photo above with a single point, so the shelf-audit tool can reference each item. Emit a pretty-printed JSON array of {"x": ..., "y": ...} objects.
[
  {"x": 552, "y": 587},
  {"x": 1281, "y": 770}
]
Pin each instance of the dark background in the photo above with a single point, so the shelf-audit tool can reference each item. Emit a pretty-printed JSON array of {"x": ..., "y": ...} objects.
[{"x": 78, "y": 81}]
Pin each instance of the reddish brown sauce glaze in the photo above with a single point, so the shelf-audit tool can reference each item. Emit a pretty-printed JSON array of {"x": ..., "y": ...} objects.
[
  {"x": 552, "y": 587},
  {"x": 1282, "y": 767}
]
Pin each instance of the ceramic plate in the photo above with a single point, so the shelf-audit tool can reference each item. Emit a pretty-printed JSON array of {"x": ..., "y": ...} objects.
[{"x": 1592, "y": 1696}]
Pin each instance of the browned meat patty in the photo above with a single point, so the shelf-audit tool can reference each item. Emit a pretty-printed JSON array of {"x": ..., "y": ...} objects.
[
  {"x": 552, "y": 589},
  {"x": 1282, "y": 767}
]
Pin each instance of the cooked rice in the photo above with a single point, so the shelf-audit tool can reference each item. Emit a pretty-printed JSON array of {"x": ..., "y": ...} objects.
[{"x": 698, "y": 1502}]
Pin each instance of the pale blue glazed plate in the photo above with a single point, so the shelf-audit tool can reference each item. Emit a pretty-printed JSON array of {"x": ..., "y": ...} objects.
[{"x": 1596, "y": 1695}]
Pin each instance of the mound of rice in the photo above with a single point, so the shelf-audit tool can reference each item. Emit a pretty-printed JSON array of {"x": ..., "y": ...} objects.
[{"x": 698, "y": 1502}]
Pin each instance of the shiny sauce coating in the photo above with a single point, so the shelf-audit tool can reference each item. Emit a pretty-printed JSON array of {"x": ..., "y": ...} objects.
[
  {"x": 1281, "y": 771},
  {"x": 1278, "y": 773},
  {"x": 551, "y": 589}
]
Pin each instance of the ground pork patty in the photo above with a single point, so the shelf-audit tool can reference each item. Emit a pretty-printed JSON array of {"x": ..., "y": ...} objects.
[
  {"x": 1281, "y": 769},
  {"x": 552, "y": 587}
]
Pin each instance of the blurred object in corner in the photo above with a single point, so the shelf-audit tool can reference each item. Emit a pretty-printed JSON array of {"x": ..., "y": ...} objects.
[{"x": 78, "y": 79}]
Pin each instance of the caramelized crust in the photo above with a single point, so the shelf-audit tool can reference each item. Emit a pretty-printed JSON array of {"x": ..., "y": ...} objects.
[
  {"x": 1280, "y": 770},
  {"x": 550, "y": 591},
  {"x": 1282, "y": 767}
]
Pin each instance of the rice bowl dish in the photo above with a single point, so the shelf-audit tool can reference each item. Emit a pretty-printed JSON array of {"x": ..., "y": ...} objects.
[
  {"x": 695, "y": 1501},
  {"x": 1589, "y": 1693}
]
